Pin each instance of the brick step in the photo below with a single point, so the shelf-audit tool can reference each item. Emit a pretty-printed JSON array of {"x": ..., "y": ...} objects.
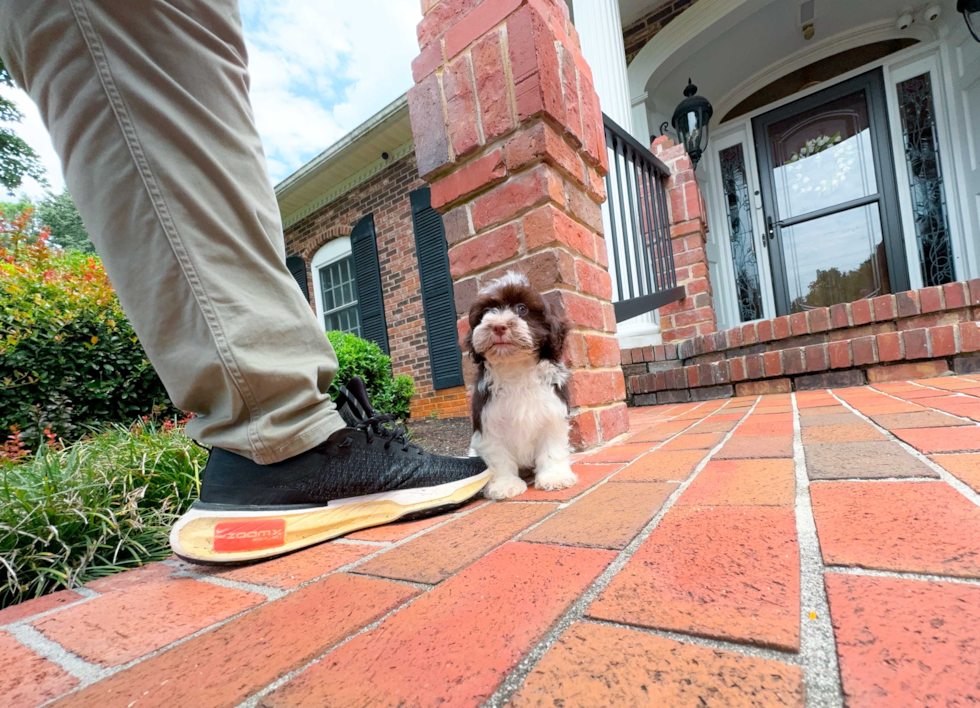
[{"x": 919, "y": 333}]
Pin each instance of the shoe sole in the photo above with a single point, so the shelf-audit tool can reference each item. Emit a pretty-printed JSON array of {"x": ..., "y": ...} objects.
[{"x": 206, "y": 535}]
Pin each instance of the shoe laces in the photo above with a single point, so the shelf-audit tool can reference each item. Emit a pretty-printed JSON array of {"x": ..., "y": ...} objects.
[{"x": 376, "y": 426}]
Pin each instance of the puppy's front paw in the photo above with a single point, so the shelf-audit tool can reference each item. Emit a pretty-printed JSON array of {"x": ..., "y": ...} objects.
[
  {"x": 557, "y": 477},
  {"x": 505, "y": 487}
]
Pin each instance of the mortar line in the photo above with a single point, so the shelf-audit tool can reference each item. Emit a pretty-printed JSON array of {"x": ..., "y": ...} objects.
[
  {"x": 519, "y": 673},
  {"x": 945, "y": 476},
  {"x": 915, "y": 402},
  {"x": 785, "y": 657},
  {"x": 877, "y": 573},
  {"x": 953, "y": 391},
  {"x": 818, "y": 649},
  {"x": 54, "y": 651},
  {"x": 30, "y": 618},
  {"x": 85, "y": 671},
  {"x": 253, "y": 700},
  {"x": 608, "y": 478}
]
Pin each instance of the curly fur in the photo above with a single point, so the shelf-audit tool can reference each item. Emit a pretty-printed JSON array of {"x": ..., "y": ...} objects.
[{"x": 520, "y": 401}]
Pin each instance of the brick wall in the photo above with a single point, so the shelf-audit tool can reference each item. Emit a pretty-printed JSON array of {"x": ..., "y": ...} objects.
[
  {"x": 387, "y": 196},
  {"x": 643, "y": 30},
  {"x": 913, "y": 334}
]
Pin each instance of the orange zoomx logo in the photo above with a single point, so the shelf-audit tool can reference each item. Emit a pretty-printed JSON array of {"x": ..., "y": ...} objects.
[{"x": 231, "y": 536}]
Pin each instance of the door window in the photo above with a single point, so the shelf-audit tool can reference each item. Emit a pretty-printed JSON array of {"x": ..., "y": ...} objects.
[{"x": 830, "y": 198}]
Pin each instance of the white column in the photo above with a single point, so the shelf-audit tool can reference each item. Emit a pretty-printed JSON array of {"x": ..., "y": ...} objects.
[{"x": 601, "y": 31}]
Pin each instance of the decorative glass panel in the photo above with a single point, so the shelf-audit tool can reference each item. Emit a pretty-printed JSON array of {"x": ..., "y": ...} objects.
[
  {"x": 739, "y": 210},
  {"x": 338, "y": 294},
  {"x": 926, "y": 180}
]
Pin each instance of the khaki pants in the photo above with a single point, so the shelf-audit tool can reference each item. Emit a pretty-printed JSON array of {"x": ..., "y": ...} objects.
[{"x": 147, "y": 105}]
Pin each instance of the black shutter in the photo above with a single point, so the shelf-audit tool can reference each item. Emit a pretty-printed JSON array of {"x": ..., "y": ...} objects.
[
  {"x": 437, "y": 293},
  {"x": 370, "y": 299},
  {"x": 297, "y": 266}
]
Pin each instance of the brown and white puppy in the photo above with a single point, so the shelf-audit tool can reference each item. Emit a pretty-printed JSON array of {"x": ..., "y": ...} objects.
[{"x": 520, "y": 401}]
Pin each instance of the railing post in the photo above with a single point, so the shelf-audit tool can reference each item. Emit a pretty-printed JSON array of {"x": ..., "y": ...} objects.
[
  {"x": 508, "y": 130},
  {"x": 695, "y": 314}
]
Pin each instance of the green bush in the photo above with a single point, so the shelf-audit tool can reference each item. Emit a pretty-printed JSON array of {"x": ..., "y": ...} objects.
[
  {"x": 102, "y": 505},
  {"x": 70, "y": 361},
  {"x": 359, "y": 357}
]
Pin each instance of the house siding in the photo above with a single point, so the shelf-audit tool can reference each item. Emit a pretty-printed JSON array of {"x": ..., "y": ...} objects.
[{"x": 387, "y": 197}]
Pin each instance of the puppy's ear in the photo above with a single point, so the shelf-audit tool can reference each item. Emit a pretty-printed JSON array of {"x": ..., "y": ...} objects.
[
  {"x": 557, "y": 330},
  {"x": 475, "y": 317}
]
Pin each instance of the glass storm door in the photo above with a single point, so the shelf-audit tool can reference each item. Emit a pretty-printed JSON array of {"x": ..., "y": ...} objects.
[{"x": 829, "y": 196}]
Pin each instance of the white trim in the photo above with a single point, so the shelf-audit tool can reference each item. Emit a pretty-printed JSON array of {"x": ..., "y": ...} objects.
[
  {"x": 740, "y": 134},
  {"x": 331, "y": 252},
  {"x": 347, "y": 185},
  {"x": 929, "y": 64},
  {"x": 903, "y": 64},
  {"x": 840, "y": 42}
]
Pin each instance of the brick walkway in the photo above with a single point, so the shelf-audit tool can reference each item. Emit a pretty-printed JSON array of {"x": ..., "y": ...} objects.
[{"x": 783, "y": 550}]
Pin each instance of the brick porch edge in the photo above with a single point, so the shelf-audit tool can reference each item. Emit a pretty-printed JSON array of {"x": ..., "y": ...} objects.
[{"x": 918, "y": 333}]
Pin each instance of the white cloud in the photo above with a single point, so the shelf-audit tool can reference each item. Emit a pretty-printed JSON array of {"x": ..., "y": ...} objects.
[
  {"x": 321, "y": 68},
  {"x": 318, "y": 69},
  {"x": 33, "y": 132}
]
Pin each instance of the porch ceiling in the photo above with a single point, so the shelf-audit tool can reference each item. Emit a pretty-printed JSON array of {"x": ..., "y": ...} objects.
[
  {"x": 632, "y": 10},
  {"x": 762, "y": 44}
]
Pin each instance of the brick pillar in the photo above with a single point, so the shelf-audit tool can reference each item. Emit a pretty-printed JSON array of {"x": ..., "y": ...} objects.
[
  {"x": 695, "y": 314},
  {"x": 509, "y": 133}
]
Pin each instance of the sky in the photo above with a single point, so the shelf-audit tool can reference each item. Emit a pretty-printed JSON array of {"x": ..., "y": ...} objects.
[{"x": 318, "y": 69}]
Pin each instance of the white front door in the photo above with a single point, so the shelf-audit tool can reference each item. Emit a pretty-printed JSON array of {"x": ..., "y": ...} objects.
[{"x": 963, "y": 87}]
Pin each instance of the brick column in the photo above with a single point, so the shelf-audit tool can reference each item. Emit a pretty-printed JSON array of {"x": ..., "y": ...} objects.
[
  {"x": 695, "y": 314},
  {"x": 509, "y": 133}
]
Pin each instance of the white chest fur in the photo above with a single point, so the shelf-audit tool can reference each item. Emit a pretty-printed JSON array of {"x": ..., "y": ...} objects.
[{"x": 524, "y": 419}]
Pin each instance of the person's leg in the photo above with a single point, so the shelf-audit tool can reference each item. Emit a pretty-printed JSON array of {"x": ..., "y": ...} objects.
[{"x": 147, "y": 104}]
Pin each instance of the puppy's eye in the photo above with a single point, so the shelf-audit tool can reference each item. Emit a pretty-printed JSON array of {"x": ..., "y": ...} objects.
[{"x": 521, "y": 310}]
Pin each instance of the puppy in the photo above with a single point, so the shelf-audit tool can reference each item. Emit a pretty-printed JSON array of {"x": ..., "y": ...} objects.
[{"x": 520, "y": 401}]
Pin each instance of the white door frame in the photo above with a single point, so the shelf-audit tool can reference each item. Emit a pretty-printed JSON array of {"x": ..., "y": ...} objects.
[
  {"x": 895, "y": 73},
  {"x": 912, "y": 61},
  {"x": 741, "y": 133}
]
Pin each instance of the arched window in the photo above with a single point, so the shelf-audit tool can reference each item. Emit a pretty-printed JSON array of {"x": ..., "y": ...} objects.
[{"x": 335, "y": 287}]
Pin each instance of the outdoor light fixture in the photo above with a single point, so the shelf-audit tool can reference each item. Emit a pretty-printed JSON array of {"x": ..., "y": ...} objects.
[{"x": 691, "y": 122}]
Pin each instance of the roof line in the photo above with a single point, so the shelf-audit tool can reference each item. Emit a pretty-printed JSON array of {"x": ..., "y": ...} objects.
[{"x": 314, "y": 165}]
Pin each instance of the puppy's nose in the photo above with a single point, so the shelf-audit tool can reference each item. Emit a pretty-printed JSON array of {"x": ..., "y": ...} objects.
[{"x": 500, "y": 329}]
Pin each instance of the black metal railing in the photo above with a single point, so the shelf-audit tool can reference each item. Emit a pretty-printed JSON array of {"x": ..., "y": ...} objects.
[{"x": 642, "y": 262}]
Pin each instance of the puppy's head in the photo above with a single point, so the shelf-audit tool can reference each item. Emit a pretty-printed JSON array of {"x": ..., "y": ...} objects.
[{"x": 510, "y": 320}]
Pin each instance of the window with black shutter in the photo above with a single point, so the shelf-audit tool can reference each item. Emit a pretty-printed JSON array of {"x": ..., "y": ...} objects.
[
  {"x": 437, "y": 293},
  {"x": 367, "y": 272},
  {"x": 297, "y": 266}
]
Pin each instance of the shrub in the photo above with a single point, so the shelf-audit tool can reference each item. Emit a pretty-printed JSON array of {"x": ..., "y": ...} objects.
[
  {"x": 359, "y": 357},
  {"x": 69, "y": 358},
  {"x": 102, "y": 505}
]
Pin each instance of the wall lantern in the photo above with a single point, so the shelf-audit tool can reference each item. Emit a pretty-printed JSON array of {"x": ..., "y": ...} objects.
[{"x": 691, "y": 122}]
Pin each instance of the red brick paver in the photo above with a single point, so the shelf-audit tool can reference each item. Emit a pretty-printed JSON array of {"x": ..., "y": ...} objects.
[
  {"x": 593, "y": 665},
  {"x": 124, "y": 625},
  {"x": 609, "y": 517},
  {"x": 224, "y": 666},
  {"x": 490, "y": 581},
  {"x": 919, "y": 527},
  {"x": 440, "y": 553},
  {"x": 906, "y": 642},
  {"x": 453, "y": 645},
  {"x": 26, "y": 679},
  {"x": 726, "y": 572}
]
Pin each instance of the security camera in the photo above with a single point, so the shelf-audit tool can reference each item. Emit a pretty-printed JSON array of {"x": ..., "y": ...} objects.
[
  {"x": 904, "y": 20},
  {"x": 932, "y": 13}
]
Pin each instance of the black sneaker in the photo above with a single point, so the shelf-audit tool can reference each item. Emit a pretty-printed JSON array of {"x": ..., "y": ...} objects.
[{"x": 364, "y": 475}]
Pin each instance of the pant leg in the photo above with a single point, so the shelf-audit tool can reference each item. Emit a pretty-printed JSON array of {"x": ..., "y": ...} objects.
[{"x": 147, "y": 105}]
